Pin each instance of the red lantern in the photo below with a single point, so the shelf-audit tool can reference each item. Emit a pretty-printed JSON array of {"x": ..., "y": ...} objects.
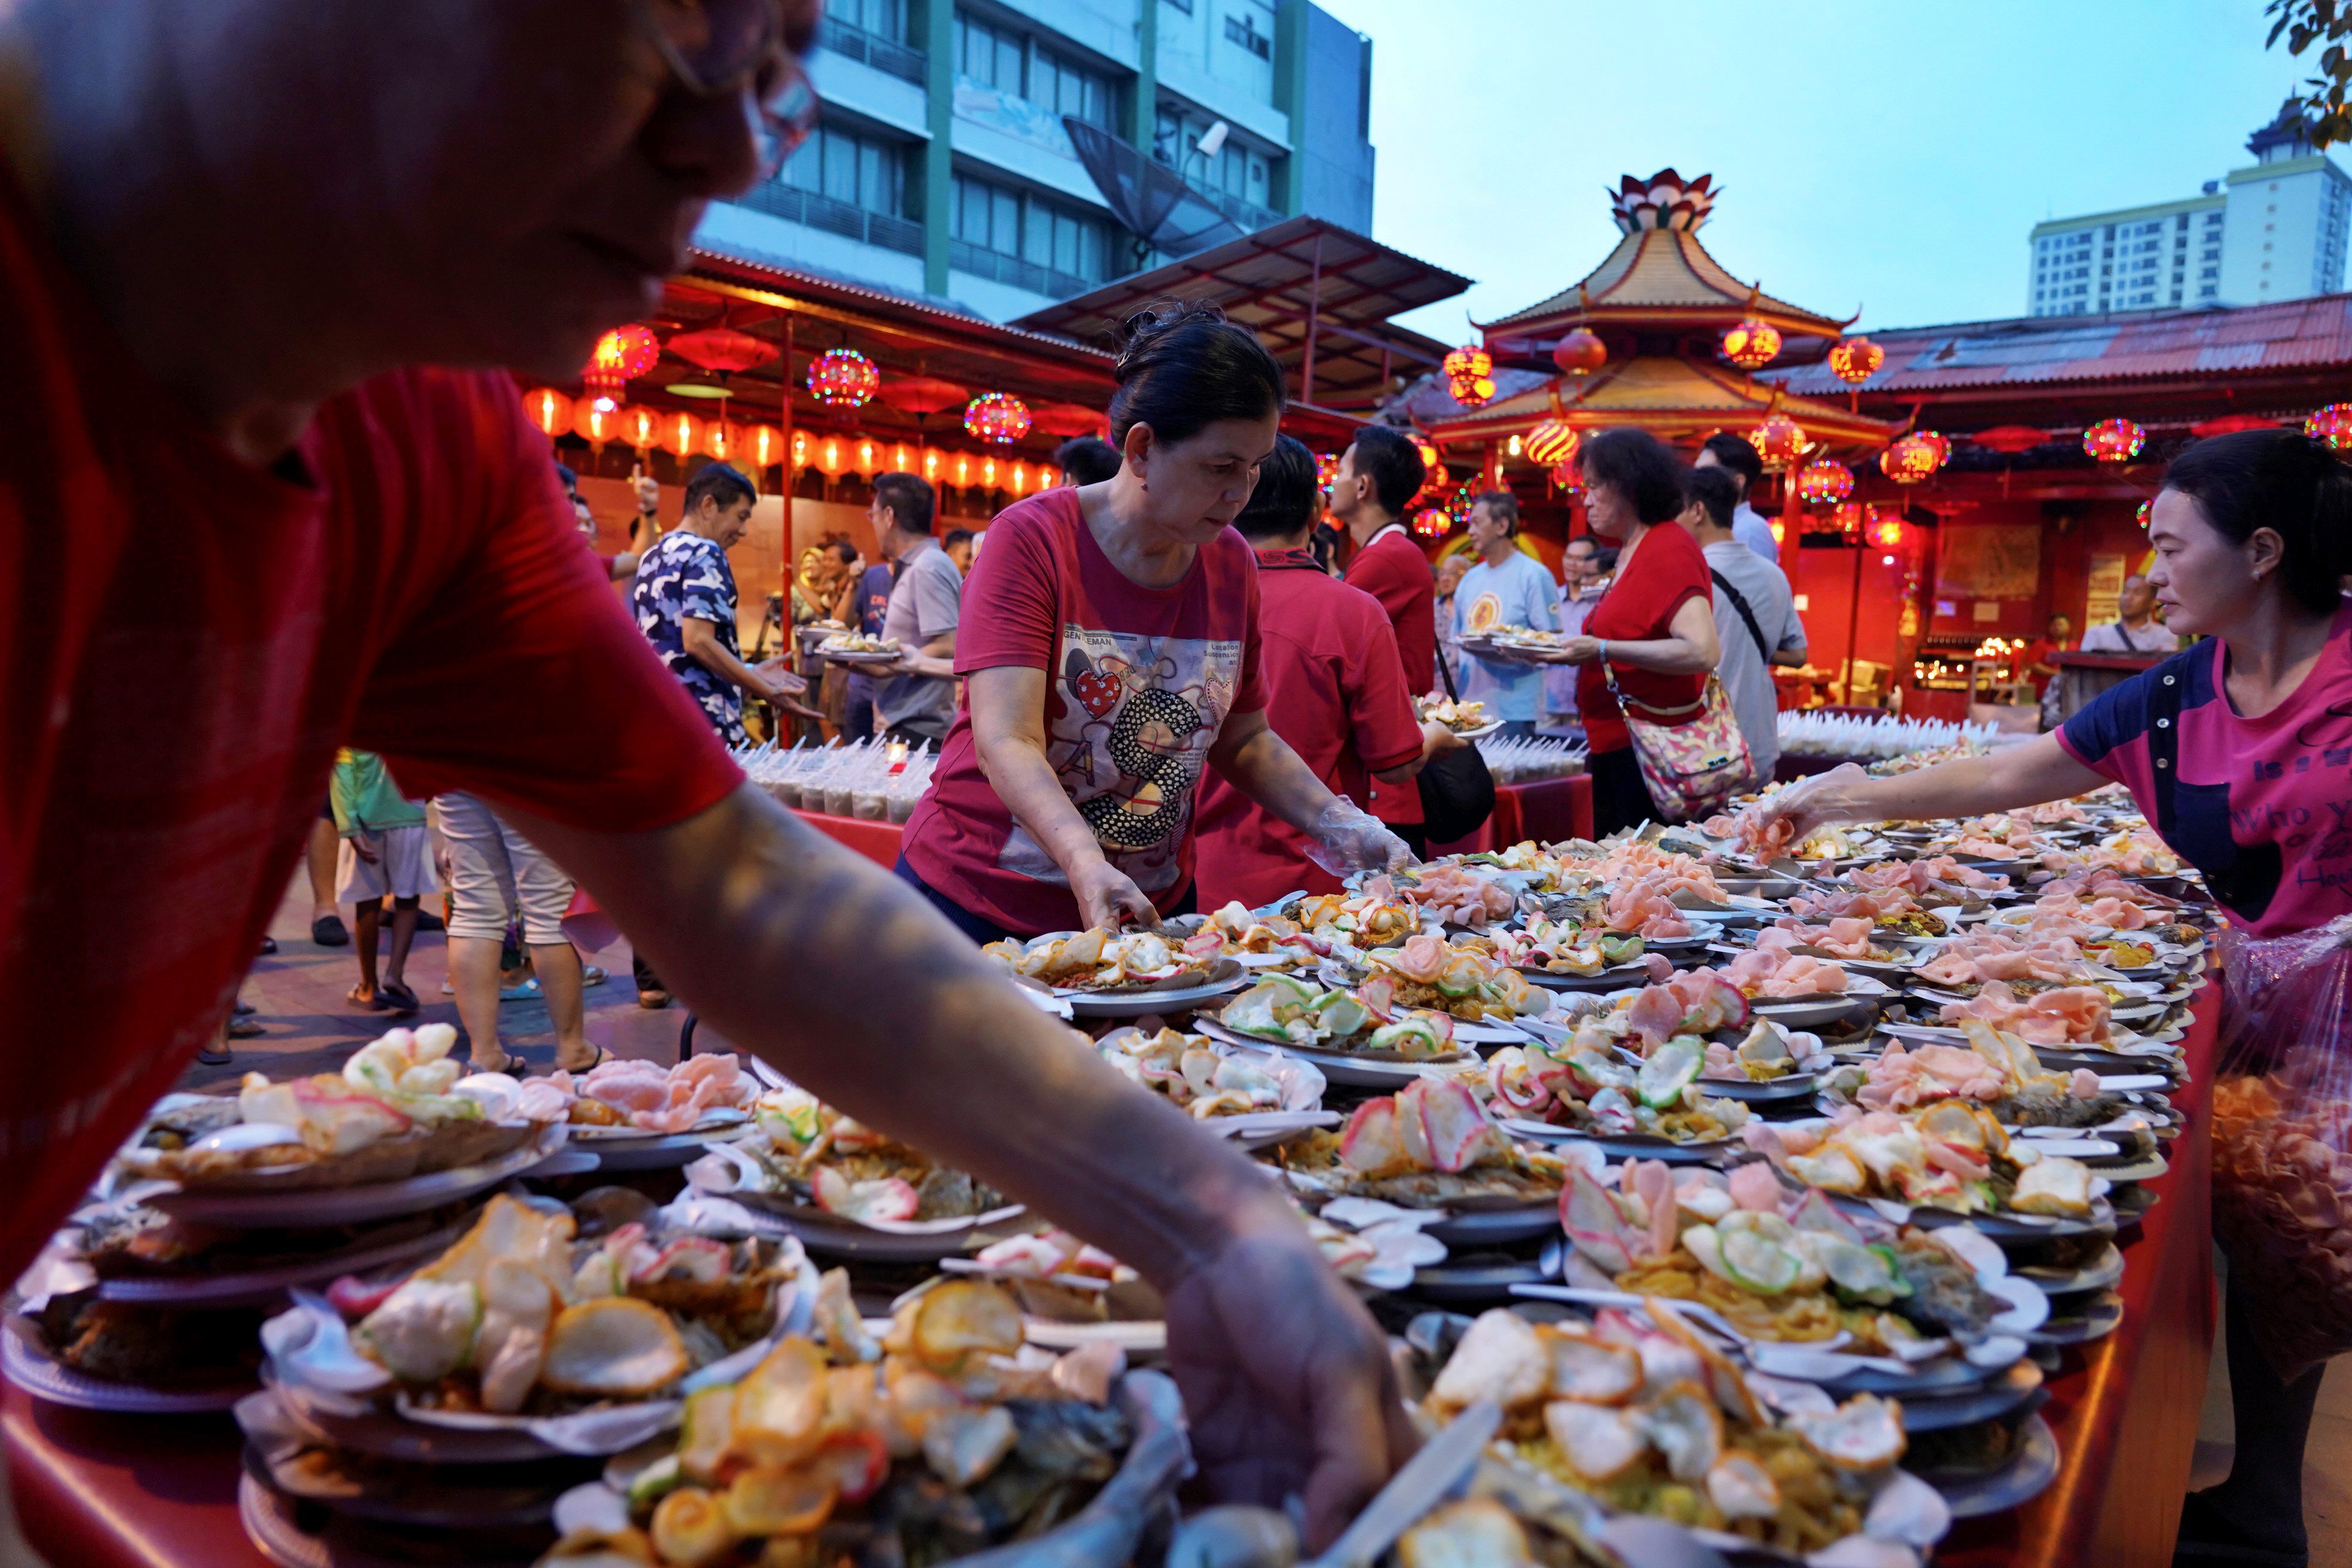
[
  {"x": 1752, "y": 344},
  {"x": 1908, "y": 461},
  {"x": 1887, "y": 532},
  {"x": 843, "y": 378},
  {"x": 1326, "y": 468},
  {"x": 1470, "y": 374},
  {"x": 2010, "y": 440},
  {"x": 1580, "y": 352},
  {"x": 621, "y": 356},
  {"x": 2332, "y": 424},
  {"x": 680, "y": 435},
  {"x": 640, "y": 427},
  {"x": 1552, "y": 443},
  {"x": 1431, "y": 522},
  {"x": 922, "y": 393},
  {"x": 1824, "y": 483},
  {"x": 595, "y": 420},
  {"x": 763, "y": 445},
  {"x": 722, "y": 349},
  {"x": 1434, "y": 477},
  {"x": 996, "y": 416},
  {"x": 550, "y": 410},
  {"x": 1855, "y": 360},
  {"x": 833, "y": 456},
  {"x": 1066, "y": 420},
  {"x": 1940, "y": 442},
  {"x": 723, "y": 439},
  {"x": 1780, "y": 441},
  {"x": 2116, "y": 440},
  {"x": 2230, "y": 424},
  {"x": 1569, "y": 478}
]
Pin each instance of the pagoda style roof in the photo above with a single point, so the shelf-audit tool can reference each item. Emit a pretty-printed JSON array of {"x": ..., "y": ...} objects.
[
  {"x": 1673, "y": 398},
  {"x": 1659, "y": 278}
]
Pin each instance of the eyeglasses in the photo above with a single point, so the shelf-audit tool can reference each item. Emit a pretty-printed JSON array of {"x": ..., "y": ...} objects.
[{"x": 721, "y": 49}]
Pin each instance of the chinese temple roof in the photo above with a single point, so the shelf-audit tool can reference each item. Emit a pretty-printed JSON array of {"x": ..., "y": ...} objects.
[{"x": 1672, "y": 397}]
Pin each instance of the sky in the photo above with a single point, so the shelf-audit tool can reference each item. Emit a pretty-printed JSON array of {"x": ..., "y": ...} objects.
[{"x": 1889, "y": 158}]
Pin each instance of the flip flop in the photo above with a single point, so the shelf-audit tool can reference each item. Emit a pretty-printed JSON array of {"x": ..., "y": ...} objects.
[
  {"x": 374, "y": 1003},
  {"x": 244, "y": 1029},
  {"x": 513, "y": 1066},
  {"x": 398, "y": 998},
  {"x": 603, "y": 1056},
  {"x": 212, "y": 1058},
  {"x": 328, "y": 930}
]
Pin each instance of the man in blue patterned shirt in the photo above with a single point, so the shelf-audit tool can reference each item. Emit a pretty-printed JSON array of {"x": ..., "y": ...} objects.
[{"x": 685, "y": 603}]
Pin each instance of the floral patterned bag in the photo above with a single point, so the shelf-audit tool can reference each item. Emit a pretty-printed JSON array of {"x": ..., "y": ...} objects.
[{"x": 1693, "y": 768}]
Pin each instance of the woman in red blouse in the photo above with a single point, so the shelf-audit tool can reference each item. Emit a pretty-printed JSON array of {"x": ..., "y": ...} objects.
[
  {"x": 1655, "y": 628},
  {"x": 1111, "y": 639}
]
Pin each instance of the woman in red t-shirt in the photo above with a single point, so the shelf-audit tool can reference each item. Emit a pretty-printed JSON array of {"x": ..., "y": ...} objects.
[
  {"x": 1110, "y": 637},
  {"x": 1655, "y": 627}
]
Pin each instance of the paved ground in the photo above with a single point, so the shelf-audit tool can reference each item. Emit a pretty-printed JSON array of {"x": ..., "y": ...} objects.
[
  {"x": 310, "y": 1028},
  {"x": 2326, "y": 1459}
]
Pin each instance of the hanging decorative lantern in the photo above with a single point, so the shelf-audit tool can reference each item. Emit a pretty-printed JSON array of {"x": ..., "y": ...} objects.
[
  {"x": 2008, "y": 440},
  {"x": 1823, "y": 483},
  {"x": 1580, "y": 352},
  {"x": 1569, "y": 478},
  {"x": 1431, "y": 522},
  {"x": 763, "y": 445},
  {"x": 1048, "y": 476},
  {"x": 843, "y": 378},
  {"x": 723, "y": 439},
  {"x": 1780, "y": 441},
  {"x": 1752, "y": 344},
  {"x": 680, "y": 435},
  {"x": 620, "y": 357},
  {"x": 934, "y": 465},
  {"x": 1886, "y": 531},
  {"x": 596, "y": 420},
  {"x": 866, "y": 456},
  {"x": 2332, "y": 424},
  {"x": 640, "y": 427},
  {"x": 1553, "y": 443},
  {"x": 833, "y": 454},
  {"x": 2230, "y": 424},
  {"x": 1470, "y": 374},
  {"x": 1458, "y": 509},
  {"x": 1941, "y": 443},
  {"x": 1512, "y": 446},
  {"x": 1855, "y": 360},
  {"x": 2116, "y": 440},
  {"x": 922, "y": 393},
  {"x": 997, "y": 416},
  {"x": 1908, "y": 461},
  {"x": 962, "y": 470},
  {"x": 2143, "y": 508},
  {"x": 1780, "y": 530},
  {"x": 721, "y": 349},
  {"x": 904, "y": 457},
  {"x": 550, "y": 410},
  {"x": 1326, "y": 468},
  {"x": 992, "y": 473},
  {"x": 1018, "y": 480},
  {"x": 803, "y": 449},
  {"x": 1066, "y": 420}
]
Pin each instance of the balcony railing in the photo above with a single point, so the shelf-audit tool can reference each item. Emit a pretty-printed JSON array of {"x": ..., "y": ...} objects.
[
  {"x": 852, "y": 43},
  {"x": 818, "y": 212},
  {"x": 969, "y": 257}
]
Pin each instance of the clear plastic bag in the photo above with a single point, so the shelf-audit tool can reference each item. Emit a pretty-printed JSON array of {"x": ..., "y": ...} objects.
[{"x": 2282, "y": 1139}]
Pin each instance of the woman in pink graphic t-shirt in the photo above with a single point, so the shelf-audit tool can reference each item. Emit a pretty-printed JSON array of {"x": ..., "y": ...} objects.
[
  {"x": 2239, "y": 751},
  {"x": 1109, "y": 638}
]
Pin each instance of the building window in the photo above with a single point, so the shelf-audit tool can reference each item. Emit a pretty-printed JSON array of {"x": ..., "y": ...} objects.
[
  {"x": 882, "y": 18},
  {"x": 1021, "y": 67},
  {"x": 862, "y": 172},
  {"x": 991, "y": 217},
  {"x": 1243, "y": 30}
]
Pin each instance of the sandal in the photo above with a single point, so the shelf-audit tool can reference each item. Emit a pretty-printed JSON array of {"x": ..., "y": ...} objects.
[
  {"x": 366, "y": 1001},
  {"x": 398, "y": 998},
  {"x": 212, "y": 1058},
  {"x": 512, "y": 1066},
  {"x": 268, "y": 945},
  {"x": 328, "y": 930},
  {"x": 653, "y": 1001},
  {"x": 244, "y": 1029},
  {"x": 603, "y": 1056}
]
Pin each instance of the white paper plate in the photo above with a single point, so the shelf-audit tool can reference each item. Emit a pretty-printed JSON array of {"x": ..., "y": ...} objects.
[
  {"x": 60, "y": 1384},
  {"x": 353, "y": 1205}
]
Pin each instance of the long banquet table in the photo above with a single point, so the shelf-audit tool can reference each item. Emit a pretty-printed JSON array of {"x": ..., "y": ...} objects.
[{"x": 139, "y": 1491}]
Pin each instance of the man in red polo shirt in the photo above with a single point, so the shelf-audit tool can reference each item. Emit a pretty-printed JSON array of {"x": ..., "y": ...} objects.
[
  {"x": 232, "y": 239},
  {"x": 1335, "y": 690},
  {"x": 1379, "y": 473}
]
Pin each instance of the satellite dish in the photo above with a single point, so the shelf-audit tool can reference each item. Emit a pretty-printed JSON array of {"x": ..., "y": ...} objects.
[{"x": 1145, "y": 195}]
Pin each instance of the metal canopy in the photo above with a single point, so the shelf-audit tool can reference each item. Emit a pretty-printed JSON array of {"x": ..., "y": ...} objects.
[{"x": 1316, "y": 295}]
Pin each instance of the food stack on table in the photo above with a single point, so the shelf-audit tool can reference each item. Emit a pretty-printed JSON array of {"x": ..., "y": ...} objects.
[{"x": 1771, "y": 1190}]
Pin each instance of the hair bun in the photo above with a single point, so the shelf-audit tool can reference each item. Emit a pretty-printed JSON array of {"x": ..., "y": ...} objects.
[{"x": 1147, "y": 327}]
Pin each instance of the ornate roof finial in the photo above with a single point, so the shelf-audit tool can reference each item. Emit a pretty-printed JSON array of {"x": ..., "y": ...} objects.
[{"x": 1665, "y": 200}]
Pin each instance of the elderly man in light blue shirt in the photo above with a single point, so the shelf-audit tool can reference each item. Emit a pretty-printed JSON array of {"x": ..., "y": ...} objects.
[
  {"x": 1735, "y": 457},
  {"x": 1507, "y": 588}
]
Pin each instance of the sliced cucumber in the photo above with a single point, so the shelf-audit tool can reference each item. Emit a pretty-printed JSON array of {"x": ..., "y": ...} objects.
[
  {"x": 1757, "y": 1263},
  {"x": 1674, "y": 1068}
]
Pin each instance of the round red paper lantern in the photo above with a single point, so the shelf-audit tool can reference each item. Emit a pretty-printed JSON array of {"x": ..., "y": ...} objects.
[
  {"x": 620, "y": 357},
  {"x": 832, "y": 457},
  {"x": 640, "y": 427},
  {"x": 1855, "y": 360},
  {"x": 843, "y": 378},
  {"x": 762, "y": 445},
  {"x": 922, "y": 393},
  {"x": 680, "y": 435},
  {"x": 997, "y": 416},
  {"x": 1908, "y": 461},
  {"x": 1470, "y": 374},
  {"x": 1434, "y": 476},
  {"x": 550, "y": 410},
  {"x": 1941, "y": 443},
  {"x": 1431, "y": 522},
  {"x": 1553, "y": 443},
  {"x": 723, "y": 439},
  {"x": 2010, "y": 440},
  {"x": 1580, "y": 352},
  {"x": 1066, "y": 420},
  {"x": 1824, "y": 483},
  {"x": 2116, "y": 440},
  {"x": 2332, "y": 424},
  {"x": 1780, "y": 441},
  {"x": 1752, "y": 344},
  {"x": 596, "y": 420},
  {"x": 722, "y": 349}
]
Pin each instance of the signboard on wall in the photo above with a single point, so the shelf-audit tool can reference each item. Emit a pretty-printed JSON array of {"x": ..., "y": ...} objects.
[
  {"x": 2105, "y": 589},
  {"x": 1989, "y": 562}
]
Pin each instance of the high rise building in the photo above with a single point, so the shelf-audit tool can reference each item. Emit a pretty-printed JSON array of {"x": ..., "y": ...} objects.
[
  {"x": 2276, "y": 230},
  {"x": 945, "y": 164}
]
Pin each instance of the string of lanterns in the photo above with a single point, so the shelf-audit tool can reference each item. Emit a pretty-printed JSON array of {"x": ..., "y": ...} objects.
[
  {"x": 843, "y": 378},
  {"x": 2332, "y": 424},
  {"x": 996, "y": 416},
  {"x": 1855, "y": 360},
  {"x": 1752, "y": 344},
  {"x": 1470, "y": 375},
  {"x": 2114, "y": 440}
]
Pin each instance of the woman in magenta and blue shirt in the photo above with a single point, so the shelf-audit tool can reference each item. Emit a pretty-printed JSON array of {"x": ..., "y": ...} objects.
[{"x": 2239, "y": 751}]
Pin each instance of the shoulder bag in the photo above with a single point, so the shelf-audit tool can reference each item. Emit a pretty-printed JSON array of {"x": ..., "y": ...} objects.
[
  {"x": 1747, "y": 616},
  {"x": 1457, "y": 793},
  {"x": 1692, "y": 769}
]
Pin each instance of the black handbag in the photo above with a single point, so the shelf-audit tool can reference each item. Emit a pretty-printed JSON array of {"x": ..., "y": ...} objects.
[{"x": 1457, "y": 793}]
